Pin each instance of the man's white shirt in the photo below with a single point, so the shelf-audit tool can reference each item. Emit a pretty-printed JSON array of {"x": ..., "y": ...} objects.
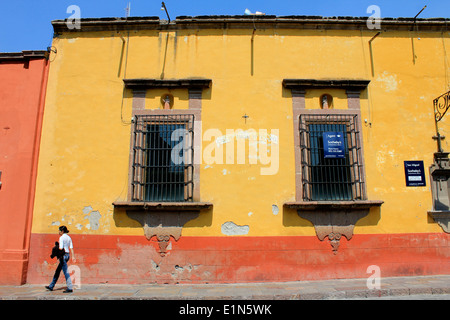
[{"x": 65, "y": 242}]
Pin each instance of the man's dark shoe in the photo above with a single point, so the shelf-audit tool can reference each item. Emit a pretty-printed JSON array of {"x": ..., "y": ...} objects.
[
  {"x": 67, "y": 291},
  {"x": 48, "y": 288}
]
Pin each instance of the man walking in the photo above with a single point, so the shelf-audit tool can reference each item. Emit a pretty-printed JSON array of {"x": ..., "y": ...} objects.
[{"x": 65, "y": 243}]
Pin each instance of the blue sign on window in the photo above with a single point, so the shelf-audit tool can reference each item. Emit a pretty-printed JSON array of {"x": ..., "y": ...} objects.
[{"x": 333, "y": 145}]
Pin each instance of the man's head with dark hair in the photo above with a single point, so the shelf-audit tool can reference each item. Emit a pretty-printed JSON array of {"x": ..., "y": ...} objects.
[{"x": 63, "y": 229}]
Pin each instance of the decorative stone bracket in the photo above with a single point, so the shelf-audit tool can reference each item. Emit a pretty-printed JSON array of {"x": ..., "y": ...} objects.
[
  {"x": 440, "y": 190},
  {"x": 333, "y": 219},
  {"x": 442, "y": 218},
  {"x": 163, "y": 220}
]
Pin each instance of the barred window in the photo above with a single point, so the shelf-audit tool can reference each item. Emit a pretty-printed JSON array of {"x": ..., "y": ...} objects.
[
  {"x": 163, "y": 156},
  {"x": 331, "y": 175}
]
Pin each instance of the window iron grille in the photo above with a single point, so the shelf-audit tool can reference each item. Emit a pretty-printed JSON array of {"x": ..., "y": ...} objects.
[
  {"x": 163, "y": 156},
  {"x": 330, "y": 179}
]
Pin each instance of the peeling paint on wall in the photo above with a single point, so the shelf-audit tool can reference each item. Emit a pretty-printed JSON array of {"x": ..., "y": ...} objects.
[
  {"x": 88, "y": 209},
  {"x": 229, "y": 228},
  {"x": 390, "y": 82},
  {"x": 275, "y": 209},
  {"x": 383, "y": 155},
  {"x": 155, "y": 266},
  {"x": 93, "y": 217}
]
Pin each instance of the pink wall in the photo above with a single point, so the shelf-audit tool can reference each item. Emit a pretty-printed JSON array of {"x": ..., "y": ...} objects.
[{"x": 22, "y": 92}]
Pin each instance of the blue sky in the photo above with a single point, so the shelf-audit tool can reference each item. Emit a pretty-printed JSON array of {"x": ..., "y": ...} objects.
[{"x": 26, "y": 24}]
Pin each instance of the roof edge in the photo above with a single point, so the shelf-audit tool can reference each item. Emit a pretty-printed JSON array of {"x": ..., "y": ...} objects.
[
  {"x": 263, "y": 21},
  {"x": 24, "y": 55}
]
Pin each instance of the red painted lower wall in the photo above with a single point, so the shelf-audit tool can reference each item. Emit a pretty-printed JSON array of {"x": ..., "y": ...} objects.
[{"x": 133, "y": 259}]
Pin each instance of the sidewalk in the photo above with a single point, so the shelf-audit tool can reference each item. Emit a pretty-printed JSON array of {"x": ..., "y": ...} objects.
[{"x": 303, "y": 290}]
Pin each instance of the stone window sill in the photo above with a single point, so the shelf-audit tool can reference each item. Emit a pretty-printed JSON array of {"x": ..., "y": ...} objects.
[
  {"x": 162, "y": 206},
  {"x": 327, "y": 205}
]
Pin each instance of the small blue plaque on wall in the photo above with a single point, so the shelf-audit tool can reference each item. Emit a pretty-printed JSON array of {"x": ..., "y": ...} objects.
[{"x": 415, "y": 174}]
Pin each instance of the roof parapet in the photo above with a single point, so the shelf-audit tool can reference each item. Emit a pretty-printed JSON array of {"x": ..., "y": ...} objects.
[
  {"x": 248, "y": 22},
  {"x": 23, "y": 56}
]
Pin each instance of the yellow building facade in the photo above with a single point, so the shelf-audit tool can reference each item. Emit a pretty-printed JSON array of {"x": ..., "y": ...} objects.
[{"x": 257, "y": 196}]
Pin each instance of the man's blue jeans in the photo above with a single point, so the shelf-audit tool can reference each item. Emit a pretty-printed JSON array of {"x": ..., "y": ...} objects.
[{"x": 62, "y": 266}]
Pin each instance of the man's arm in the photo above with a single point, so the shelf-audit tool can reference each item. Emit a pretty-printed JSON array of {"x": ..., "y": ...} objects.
[{"x": 61, "y": 246}]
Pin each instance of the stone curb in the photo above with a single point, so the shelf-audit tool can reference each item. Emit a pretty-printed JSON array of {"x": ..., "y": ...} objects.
[{"x": 314, "y": 290}]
